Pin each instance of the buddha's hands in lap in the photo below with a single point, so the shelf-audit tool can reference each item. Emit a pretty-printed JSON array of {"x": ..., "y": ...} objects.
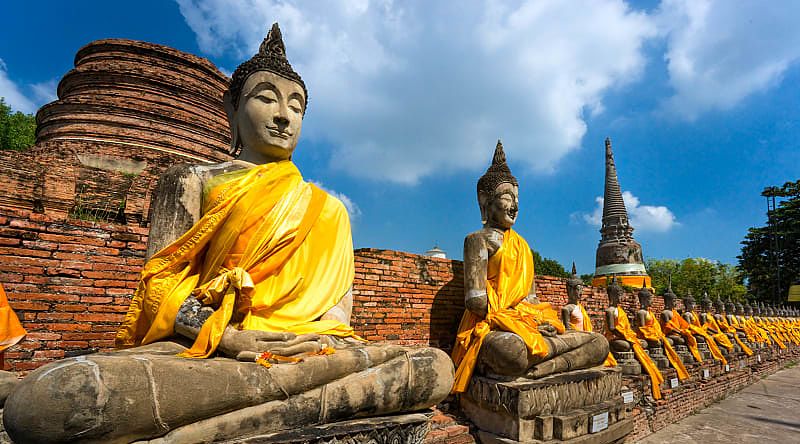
[
  {"x": 548, "y": 330},
  {"x": 247, "y": 345}
]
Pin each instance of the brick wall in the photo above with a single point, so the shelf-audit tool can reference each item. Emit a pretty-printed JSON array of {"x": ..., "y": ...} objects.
[{"x": 70, "y": 282}]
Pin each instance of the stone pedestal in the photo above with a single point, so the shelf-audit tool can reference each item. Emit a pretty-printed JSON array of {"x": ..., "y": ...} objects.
[
  {"x": 658, "y": 357},
  {"x": 405, "y": 429},
  {"x": 702, "y": 347},
  {"x": 582, "y": 406},
  {"x": 627, "y": 361},
  {"x": 684, "y": 354}
]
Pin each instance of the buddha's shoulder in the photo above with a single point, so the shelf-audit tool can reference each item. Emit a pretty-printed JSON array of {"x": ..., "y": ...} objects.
[{"x": 200, "y": 173}]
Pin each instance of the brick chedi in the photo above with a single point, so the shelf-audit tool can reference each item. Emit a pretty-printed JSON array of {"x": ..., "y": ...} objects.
[
  {"x": 618, "y": 253},
  {"x": 125, "y": 113}
]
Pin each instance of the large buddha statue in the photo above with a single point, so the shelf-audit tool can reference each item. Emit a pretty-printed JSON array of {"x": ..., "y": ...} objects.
[
  {"x": 505, "y": 330},
  {"x": 250, "y": 286}
]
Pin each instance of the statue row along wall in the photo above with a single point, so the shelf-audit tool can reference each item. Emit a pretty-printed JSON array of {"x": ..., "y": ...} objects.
[{"x": 70, "y": 282}]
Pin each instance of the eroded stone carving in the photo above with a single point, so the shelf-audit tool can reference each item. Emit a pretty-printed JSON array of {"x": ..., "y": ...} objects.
[{"x": 249, "y": 262}]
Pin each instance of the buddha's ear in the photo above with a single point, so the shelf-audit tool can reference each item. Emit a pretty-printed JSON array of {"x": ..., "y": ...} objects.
[
  {"x": 227, "y": 102},
  {"x": 483, "y": 200}
]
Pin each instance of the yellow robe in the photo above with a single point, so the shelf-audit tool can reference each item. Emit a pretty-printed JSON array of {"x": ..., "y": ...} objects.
[
  {"x": 679, "y": 326},
  {"x": 731, "y": 329},
  {"x": 623, "y": 326},
  {"x": 11, "y": 330},
  {"x": 698, "y": 329},
  {"x": 712, "y": 326},
  {"x": 270, "y": 248},
  {"x": 509, "y": 281},
  {"x": 586, "y": 325},
  {"x": 652, "y": 331}
]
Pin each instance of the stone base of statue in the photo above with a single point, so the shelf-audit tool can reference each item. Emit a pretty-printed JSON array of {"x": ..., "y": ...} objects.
[
  {"x": 628, "y": 363},
  {"x": 658, "y": 357},
  {"x": 581, "y": 406},
  {"x": 702, "y": 347},
  {"x": 407, "y": 429},
  {"x": 684, "y": 354}
]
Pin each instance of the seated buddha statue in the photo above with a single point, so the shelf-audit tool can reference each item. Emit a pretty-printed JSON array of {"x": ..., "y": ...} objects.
[
  {"x": 622, "y": 337},
  {"x": 240, "y": 324},
  {"x": 649, "y": 329},
  {"x": 667, "y": 314},
  {"x": 505, "y": 330}
]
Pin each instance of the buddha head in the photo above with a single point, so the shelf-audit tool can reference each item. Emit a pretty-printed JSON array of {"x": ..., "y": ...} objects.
[
  {"x": 688, "y": 301},
  {"x": 719, "y": 306},
  {"x": 574, "y": 287},
  {"x": 707, "y": 304},
  {"x": 614, "y": 291},
  {"x": 669, "y": 298},
  {"x": 748, "y": 309},
  {"x": 730, "y": 306},
  {"x": 265, "y": 104},
  {"x": 645, "y": 297},
  {"x": 498, "y": 193},
  {"x": 739, "y": 309}
]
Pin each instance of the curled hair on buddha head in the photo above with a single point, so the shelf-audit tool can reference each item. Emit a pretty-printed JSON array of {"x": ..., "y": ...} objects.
[
  {"x": 644, "y": 292},
  {"x": 688, "y": 298},
  {"x": 614, "y": 288},
  {"x": 574, "y": 281},
  {"x": 497, "y": 173},
  {"x": 669, "y": 294},
  {"x": 271, "y": 56}
]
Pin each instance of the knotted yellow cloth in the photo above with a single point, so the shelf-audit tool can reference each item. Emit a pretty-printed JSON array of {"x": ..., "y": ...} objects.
[
  {"x": 623, "y": 325},
  {"x": 726, "y": 327},
  {"x": 11, "y": 330},
  {"x": 679, "y": 326},
  {"x": 652, "y": 331},
  {"x": 586, "y": 325},
  {"x": 696, "y": 328},
  {"x": 270, "y": 248},
  {"x": 716, "y": 331},
  {"x": 508, "y": 281},
  {"x": 765, "y": 325}
]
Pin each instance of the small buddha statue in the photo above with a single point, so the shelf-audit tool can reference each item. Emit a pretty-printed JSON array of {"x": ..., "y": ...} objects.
[
  {"x": 623, "y": 339},
  {"x": 505, "y": 330},
  {"x": 649, "y": 329},
  {"x": 573, "y": 315},
  {"x": 668, "y": 313},
  {"x": 241, "y": 322}
]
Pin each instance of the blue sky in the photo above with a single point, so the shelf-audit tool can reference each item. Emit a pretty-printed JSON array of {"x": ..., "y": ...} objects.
[{"x": 407, "y": 100}]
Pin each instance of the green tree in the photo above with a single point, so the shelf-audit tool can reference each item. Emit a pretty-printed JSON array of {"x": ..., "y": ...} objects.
[
  {"x": 757, "y": 261},
  {"x": 547, "y": 267},
  {"x": 699, "y": 275},
  {"x": 17, "y": 130}
]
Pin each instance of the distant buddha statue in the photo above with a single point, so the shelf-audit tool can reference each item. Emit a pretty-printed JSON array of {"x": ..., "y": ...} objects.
[
  {"x": 699, "y": 330},
  {"x": 505, "y": 329},
  {"x": 650, "y": 330},
  {"x": 253, "y": 269},
  {"x": 574, "y": 316},
  {"x": 675, "y": 326},
  {"x": 623, "y": 339}
]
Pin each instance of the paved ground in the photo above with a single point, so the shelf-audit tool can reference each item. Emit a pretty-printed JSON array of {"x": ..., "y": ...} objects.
[{"x": 765, "y": 412}]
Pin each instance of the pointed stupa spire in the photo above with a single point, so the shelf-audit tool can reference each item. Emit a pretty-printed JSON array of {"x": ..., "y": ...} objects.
[
  {"x": 618, "y": 253},
  {"x": 614, "y": 212}
]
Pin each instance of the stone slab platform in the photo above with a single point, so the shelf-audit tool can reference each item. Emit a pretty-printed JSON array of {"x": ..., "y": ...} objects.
[
  {"x": 614, "y": 434},
  {"x": 406, "y": 429}
]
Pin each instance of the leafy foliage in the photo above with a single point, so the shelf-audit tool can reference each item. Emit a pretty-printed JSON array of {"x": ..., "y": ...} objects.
[
  {"x": 547, "y": 267},
  {"x": 699, "y": 275},
  {"x": 17, "y": 130},
  {"x": 757, "y": 260}
]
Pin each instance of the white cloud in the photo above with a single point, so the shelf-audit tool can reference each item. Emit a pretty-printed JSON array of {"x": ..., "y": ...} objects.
[
  {"x": 12, "y": 94},
  {"x": 408, "y": 89},
  {"x": 45, "y": 92},
  {"x": 352, "y": 209},
  {"x": 642, "y": 217},
  {"x": 719, "y": 52}
]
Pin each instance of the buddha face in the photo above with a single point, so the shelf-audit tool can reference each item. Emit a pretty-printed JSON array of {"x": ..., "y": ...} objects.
[
  {"x": 645, "y": 299},
  {"x": 669, "y": 302},
  {"x": 269, "y": 117},
  {"x": 574, "y": 291},
  {"x": 501, "y": 208},
  {"x": 688, "y": 304}
]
